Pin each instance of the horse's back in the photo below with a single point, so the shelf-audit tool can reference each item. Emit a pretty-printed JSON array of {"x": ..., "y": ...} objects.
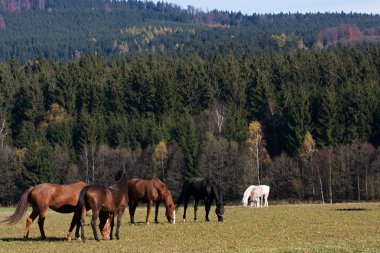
[
  {"x": 260, "y": 190},
  {"x": 201, "y": 187},
  {"x": 44, "y": 193},
  {"x": 266, "y": 189},
  {"x": 60, "y": 198},
  {"x": 137, "y": 189}
]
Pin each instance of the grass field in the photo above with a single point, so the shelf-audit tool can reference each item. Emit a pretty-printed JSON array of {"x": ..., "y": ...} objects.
[{"x": 353, "y": 227}]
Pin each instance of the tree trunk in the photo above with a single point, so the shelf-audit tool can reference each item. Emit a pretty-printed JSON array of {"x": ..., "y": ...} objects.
[
  {"x": 330, "y": 178},
  {"x": 86, "y": 163},
  {"x": 321, "y": 185},
  {"x": 312, "y": 176},
  {"x": 93, "y": 162},
  {"x": 257, "y": 162}
]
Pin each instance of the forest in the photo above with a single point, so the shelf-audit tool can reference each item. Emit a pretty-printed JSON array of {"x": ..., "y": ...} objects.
[
  {"x": 287, "y": 100},
  {"x": 306, "y": 123}
]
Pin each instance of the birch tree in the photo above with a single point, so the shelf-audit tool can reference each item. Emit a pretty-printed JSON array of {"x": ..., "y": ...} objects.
[
  {"x": 254, "y": 141},
  {"x": 159, "y": 157}
]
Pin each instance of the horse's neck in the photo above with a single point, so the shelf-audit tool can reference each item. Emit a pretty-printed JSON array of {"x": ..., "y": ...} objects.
[
  {"x": 247, "y": 193},
  {"x": 167, "y": 200},
  {"x": 120, "y": 186},
  {"x": 217, "y": 194}
]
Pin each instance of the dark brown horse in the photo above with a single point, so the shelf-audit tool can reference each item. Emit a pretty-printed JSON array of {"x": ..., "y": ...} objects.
[
  {"x": 112, "y": 200},
  {"x": 60, "y": 198},
  {"x": 149, "y": 191}
]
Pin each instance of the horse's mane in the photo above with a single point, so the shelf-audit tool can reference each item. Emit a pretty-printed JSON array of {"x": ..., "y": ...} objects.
[
  {"x": 217, "y": 192},
  {"x": 163, "y": 188}
]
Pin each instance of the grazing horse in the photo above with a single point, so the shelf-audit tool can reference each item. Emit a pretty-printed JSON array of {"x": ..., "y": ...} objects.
[
  {"x": 149, "y": 191},
  {"x": 112, "y": 200},
  {"x": 207, "y": 190},
  {"x": 260, "y": 192},
  {"x": 247, "y": 195},
  {"x": 60, "y": 198}
]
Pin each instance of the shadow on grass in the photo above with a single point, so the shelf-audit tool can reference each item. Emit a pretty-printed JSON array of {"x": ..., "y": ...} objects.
[
  {"x": 21, "y": 239},
  {"x": 351, "y": 209}
]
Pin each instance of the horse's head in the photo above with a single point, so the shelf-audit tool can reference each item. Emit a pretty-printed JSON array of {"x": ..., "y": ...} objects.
[
  {"x": 219, "y": 210},
  {"x": 169, "y": 204},
  {"x": 170, "y": 213}
]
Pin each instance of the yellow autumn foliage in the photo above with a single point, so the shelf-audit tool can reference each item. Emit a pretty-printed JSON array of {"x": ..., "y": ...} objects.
[{"x": 160, "y": 154}]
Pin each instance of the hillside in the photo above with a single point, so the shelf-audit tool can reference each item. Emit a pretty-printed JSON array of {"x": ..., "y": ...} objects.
[
  {"x": 66, "y": 29},
  {"x": 89, "y": 88}
]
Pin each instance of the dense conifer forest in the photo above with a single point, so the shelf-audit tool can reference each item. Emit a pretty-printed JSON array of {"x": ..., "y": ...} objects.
[{"x": 89, "y": 88}]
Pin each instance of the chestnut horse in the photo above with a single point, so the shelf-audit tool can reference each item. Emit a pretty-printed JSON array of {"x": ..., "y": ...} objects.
[
  {"x": 60, "y": 198},
  {"x": 149, "y": 191},
  {"x": 112, "y": 200},
  {"x": 202, "y": 188}
]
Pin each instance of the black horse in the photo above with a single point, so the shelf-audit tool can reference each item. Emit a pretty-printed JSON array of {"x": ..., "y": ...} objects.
[{"x": 202, "y": 188}]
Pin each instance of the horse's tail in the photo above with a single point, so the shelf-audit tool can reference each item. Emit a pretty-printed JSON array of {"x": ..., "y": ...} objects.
[
  {"x": 184, "y": 190},
  {"x": 21, "y": 209},
  {"x": 81, "y": 201}
]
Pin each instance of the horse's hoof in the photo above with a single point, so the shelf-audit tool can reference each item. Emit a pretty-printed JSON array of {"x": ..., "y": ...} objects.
[
  {"x": 69, "y": 238},
  {"x": 184, "y": 220}
]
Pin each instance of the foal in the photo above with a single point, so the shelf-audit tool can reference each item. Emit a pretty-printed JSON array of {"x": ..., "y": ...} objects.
[{"x": 113, "y": 200}]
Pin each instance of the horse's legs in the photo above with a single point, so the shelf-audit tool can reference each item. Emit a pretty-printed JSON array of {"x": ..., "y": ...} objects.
[
  {"x": 149, "y": 206},
  {"x": 195, "y": 209},
  {"x": 29, "y": 222},
  {"x": 156, "y": 212},
  {"x": 119, "y": 216},
  {"x": 41, "y": 220},
  {"x": 185, "y": 208},
  {"x": 104, "y": 224},
  {"x": 112, "y": 220},
  {"x": 207, "y": 208},
  {"x": 132, "y": 209},
  {"x": 95, "y": 215},
  {"x": 82, "y": 221},
  {"x": 74, "y": 221}
]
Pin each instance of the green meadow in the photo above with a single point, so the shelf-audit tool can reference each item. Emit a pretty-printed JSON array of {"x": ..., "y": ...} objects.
[{"x": 351, "y": 227}]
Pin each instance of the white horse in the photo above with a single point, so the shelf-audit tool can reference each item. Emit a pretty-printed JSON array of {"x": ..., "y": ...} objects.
[
  {"x": 247, "y": 194},
  {"x": 258, "y": 193}
]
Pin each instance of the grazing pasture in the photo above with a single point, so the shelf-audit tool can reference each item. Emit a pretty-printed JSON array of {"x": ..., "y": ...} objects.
[{"x": 352, "y": 227}]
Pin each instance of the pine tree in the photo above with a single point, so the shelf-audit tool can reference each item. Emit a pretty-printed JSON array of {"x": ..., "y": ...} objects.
[
  {"x": 39, "y": 164},
  {"x": 185, "y": 135},
  {"x": 297, "y": 118},
  {"x": 328, "y": 128}
]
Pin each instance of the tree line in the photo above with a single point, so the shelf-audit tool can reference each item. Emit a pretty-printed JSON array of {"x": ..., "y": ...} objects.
[
  {"x": 65, "y": 29},
  {"x": 305, "y": 122}
]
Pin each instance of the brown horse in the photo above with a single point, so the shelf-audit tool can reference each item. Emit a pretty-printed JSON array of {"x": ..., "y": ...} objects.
[
  {"x": 149, "y": 191},
  {"x": 112, "y": 200},
  {"x": 60, "y": 198}
]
